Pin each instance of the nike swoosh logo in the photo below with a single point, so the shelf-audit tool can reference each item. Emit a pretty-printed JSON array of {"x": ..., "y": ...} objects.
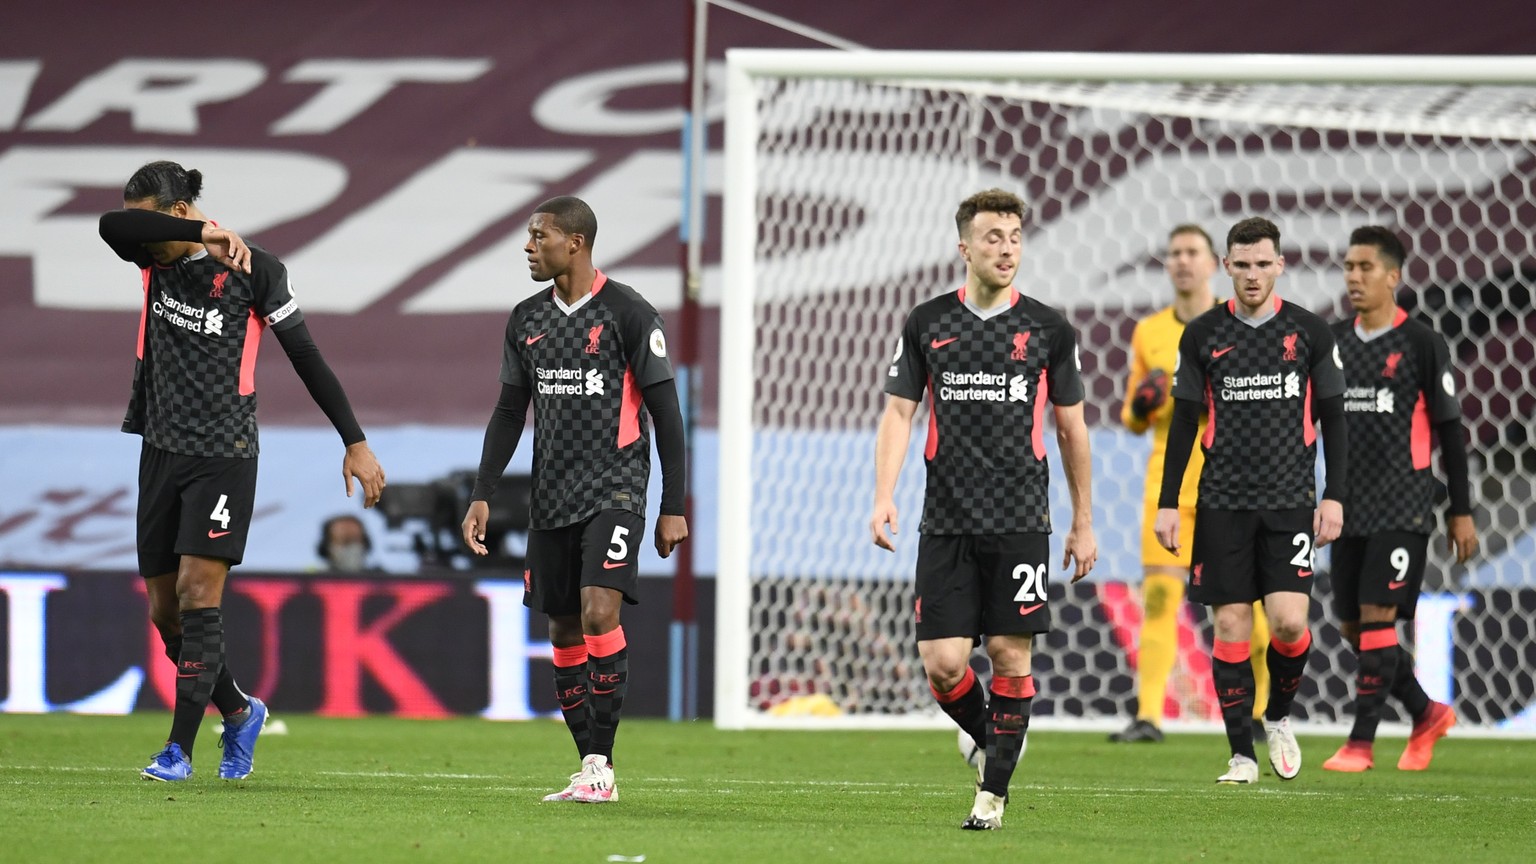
[
  {"x": 1302, "y": 574},
  {"x": 602, "y": 692},
  {"x": 613, "y": 565},
  {"x": 186, "y": 674},
  {"x": 532, "y": 339},
  {"x": 214, "y": 535},
  {"x": 1396, "y": 585},
  {"x": 1285, "y": 765},
  {"x": 1025, "y": 610},
  {"x": 1231, "y": 704},
  {"x": 1215, "y": 354},
  {"x": 940, "y": 343}
]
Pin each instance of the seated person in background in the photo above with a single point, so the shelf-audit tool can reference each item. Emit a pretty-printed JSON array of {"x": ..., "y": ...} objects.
[{"x": 344, "y": 544}]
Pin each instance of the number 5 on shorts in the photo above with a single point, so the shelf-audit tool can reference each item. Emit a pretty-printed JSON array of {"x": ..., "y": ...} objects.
[{"x": 618, "y": 547}]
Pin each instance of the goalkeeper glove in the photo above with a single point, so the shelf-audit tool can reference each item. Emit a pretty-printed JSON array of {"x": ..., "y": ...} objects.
[{"x": 1150, "y": 394}]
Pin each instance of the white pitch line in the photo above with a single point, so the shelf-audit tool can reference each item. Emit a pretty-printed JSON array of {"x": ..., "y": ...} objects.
[{"x": 863, "y": 787}]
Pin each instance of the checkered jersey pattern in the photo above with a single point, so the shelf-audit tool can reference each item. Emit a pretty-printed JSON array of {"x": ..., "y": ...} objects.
[
  {"x": 194, "y": 385},
  {"x": 988, "y": 381},
  {"x": 1258, "y": 385},
  {"x": 1397, "y": 387},
  {"x": 587, "y": 370}
]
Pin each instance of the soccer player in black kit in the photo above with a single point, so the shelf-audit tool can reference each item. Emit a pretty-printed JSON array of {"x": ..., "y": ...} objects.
[
  {"x": 990, "y": 359},
  {"x": 1399, "y": 386},
  {"x": 1265, "y": 371},
  {"x": 207, "y": 298},
  {"x": 591, "y": 356}
]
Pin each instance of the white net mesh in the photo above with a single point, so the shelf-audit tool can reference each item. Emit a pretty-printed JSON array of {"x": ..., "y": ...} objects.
[{"x": 856, "y": 185}]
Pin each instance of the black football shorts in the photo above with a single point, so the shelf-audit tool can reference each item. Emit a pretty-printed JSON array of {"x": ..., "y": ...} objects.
[
  {"x": 192, "y": 505},
  {"x": 973, "y": 584},
  {"x": 1242, "y": 555},
  {"x": 602, "y": 550},
  {"x": 1384, "y": 569}
]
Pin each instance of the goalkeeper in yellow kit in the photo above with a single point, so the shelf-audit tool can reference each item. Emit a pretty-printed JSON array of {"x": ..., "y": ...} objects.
[{"x": 1191, "y": 262}]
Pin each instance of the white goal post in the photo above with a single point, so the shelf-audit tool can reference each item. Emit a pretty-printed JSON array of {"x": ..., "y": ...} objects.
[{"x": 843, "y": 171}]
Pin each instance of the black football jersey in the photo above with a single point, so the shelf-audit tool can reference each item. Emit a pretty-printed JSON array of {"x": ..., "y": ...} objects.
[
  {"x": 1258, "y": 385},
  {"x": 194, "y": 384},
  {"x": 988, "y": 380},
  {"x": 1398, "y": 386},
  {"x": 587, "y": 366}
]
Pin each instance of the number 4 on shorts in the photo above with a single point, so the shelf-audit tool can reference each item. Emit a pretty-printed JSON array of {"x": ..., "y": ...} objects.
[{"x": 220, "y": 513}]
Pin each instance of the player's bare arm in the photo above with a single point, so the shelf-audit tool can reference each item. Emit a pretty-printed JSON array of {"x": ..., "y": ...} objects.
[
  {"x": 890, "y": 451},
  {"x": 474, "y": 526},
  {"x": 1461, "y": 537},
  {"x": 1166, "y": 527},
  {"x": 670, "y": 531},
  {"x": 1077, "y": 464},
  {"x": 1327, "y": 522},
  {"x": 360, "y": 464}
]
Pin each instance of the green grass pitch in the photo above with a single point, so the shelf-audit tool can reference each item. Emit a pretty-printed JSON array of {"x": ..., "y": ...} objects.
[{"x": 382, "y": 790}]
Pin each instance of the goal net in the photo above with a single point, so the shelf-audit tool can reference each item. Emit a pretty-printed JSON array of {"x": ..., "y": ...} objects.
[{"x": 843, "y": 174}]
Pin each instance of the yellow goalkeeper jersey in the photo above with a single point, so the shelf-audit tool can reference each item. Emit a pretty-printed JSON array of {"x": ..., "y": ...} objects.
[{"x": 1155, "y": 345}]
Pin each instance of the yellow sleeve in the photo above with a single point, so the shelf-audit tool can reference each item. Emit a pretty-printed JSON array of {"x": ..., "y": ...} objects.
[{"x": 1137, "y": 373}]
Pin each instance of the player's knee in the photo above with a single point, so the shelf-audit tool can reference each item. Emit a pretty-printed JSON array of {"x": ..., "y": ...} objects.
[
  {"x": 565, "y": 630},
  {"x": 599, "y": 618},
  {"x": 1288, "y": 629},
  {"x": 945, "y": 672},
  {"x": 600, "y": 609},
  {"x": 1010, "y": 657},
  {"x": 197, "y": 593},
  {"x": 1234, "y": 623},
  {"x": 197, "y": 597}
]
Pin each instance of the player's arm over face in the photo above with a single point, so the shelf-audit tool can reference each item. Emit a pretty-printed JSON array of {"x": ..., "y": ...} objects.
[
  {"x": 128, "y": 230},
  {"x": 891, "y": 442}
]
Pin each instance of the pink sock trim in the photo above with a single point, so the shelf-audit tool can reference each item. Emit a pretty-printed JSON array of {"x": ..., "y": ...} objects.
[
  {"x": 1297, "y": 648},
  {"x": 576, "y": 655},
  {"x": 1371, "y": 640},
  {"x": 607, "y": 644},
  {"x": 967, "y": 681},
  {"x": 1230, "y": 652},
  {"x": 1014, "y": 688}
]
